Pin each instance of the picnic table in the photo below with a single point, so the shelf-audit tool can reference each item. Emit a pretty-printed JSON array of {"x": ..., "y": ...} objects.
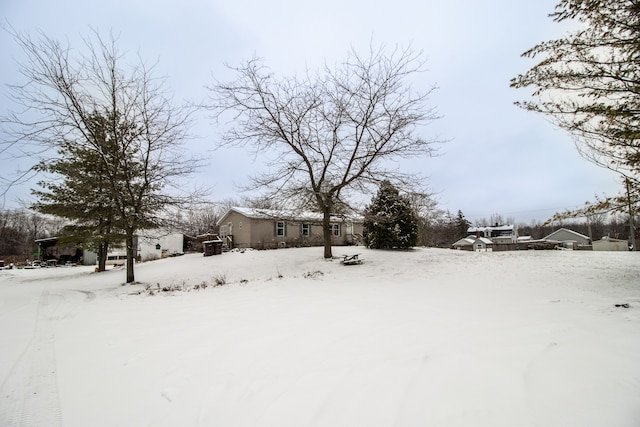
[{"x": 351, "y": 259}]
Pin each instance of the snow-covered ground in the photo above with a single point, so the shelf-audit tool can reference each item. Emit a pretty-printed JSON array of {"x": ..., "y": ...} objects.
[{"x": 421, "y": 338}]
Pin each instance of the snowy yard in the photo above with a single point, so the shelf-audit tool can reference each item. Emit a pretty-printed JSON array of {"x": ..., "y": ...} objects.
[{"x": 422, "y": 338}]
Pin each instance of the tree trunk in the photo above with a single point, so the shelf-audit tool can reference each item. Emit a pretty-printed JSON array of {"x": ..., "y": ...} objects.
[
  {"x": 326, "y": 231},
  {"x": 103, "y": 250},
  {"x": 131, "y": 254}
]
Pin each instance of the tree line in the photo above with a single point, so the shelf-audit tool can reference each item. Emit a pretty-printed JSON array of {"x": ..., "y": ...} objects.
[{"x": 19, "y": 228}]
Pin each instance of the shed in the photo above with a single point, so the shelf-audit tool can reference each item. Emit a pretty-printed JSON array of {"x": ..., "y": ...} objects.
[
  {"x": 212, "y": 247},
  {"x": 482, "y": 244},
  {"x": 610, "y": 244}
]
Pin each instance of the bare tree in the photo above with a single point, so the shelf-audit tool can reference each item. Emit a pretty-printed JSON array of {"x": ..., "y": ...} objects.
[
  {"x": 330, "y": 132},
  {"x": 138, "y": 143}
]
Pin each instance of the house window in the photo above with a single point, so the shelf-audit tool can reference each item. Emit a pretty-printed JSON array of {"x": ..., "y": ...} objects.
[
  {"x": 280, "y": 228},
  {"x": 305, "y": 230},
  {"x": 240, "y": 225},
  {"x": 335, "y": 229}
]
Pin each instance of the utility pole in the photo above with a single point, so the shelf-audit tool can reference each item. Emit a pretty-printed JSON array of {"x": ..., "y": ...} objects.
[{"x": 632, "y": 233}]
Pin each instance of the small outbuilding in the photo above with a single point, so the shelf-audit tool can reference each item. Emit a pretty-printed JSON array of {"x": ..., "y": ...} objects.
[
  {"x": 212, "y": 247},
  {"x": 482, "y": 244},
  {"x": 610, "y": 244}
]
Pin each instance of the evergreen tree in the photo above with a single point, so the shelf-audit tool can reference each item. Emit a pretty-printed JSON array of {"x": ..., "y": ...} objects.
[
  {"x": 461, "y": 226},
  {"x": 390, "y": 221},
  {"x": 82, "y": 195}
]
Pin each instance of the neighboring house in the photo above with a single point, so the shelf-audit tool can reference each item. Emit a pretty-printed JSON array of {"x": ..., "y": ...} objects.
[
  {"x": 569, "y": 239},
  {"x": 499, "y": 234},
  {"x": 475, "y": 244},
  {"x": 610, "y": 244},
  {"x": 266, "y": 229},
  {"x": 494, "y": 238},
  {"x": 152, "y": 245},
  {"x": 559, "y": 239}
]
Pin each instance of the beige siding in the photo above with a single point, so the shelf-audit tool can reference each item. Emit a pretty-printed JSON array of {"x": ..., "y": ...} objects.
[
  {"x": 239, "y": 227},
  {"x": 611, "y": 245},
  {"x": 260, "y": 233},
  {"x": 264, "y": 234}
]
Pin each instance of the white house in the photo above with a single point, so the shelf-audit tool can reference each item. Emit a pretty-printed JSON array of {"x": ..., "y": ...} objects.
[{"x": 493, "y": 238}]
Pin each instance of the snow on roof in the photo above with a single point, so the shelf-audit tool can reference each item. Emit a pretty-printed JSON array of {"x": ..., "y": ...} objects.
[
  {"x": 491, "y": 228},
  {"x": 611, "y": 239},
  {"x": 485, "y": 240},
  {"x": 281, "y": 214},
  {"x": 467, "y": 241},
  {"x": 575, "y": 233}
]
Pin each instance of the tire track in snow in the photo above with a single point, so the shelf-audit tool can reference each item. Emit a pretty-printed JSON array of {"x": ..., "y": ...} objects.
[{"x": 29, "y": 395}]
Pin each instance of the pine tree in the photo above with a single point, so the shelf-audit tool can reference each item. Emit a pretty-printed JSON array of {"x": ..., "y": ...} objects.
[
  {"x": 390, "y": 221},
  {"x": 82, "y": 194},
  {"x": 461, "y": 225}
]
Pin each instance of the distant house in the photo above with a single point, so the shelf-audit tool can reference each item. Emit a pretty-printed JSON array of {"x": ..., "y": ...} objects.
[
  {"x": 569, "y": 239},
  {"x": 559, "y": 239},
  {"x": 493, "y": 238},
  {"x": 242, "y": 227},
  {"x": 610, "y": 244},
  {"x": 499, "y": 234}
]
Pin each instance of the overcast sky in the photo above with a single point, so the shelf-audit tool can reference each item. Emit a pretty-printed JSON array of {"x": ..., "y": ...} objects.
[{"x": 499, "y": 158}]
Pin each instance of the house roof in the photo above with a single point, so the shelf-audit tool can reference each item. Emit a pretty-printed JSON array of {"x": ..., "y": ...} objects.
[
  {"x": 485, "y": 240},
  {"x": 283, "y": 214},
  {"x": 467, "y": 241},
  {"x": 574, "y": 233},
  {"x": 492, "y": 228}
]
